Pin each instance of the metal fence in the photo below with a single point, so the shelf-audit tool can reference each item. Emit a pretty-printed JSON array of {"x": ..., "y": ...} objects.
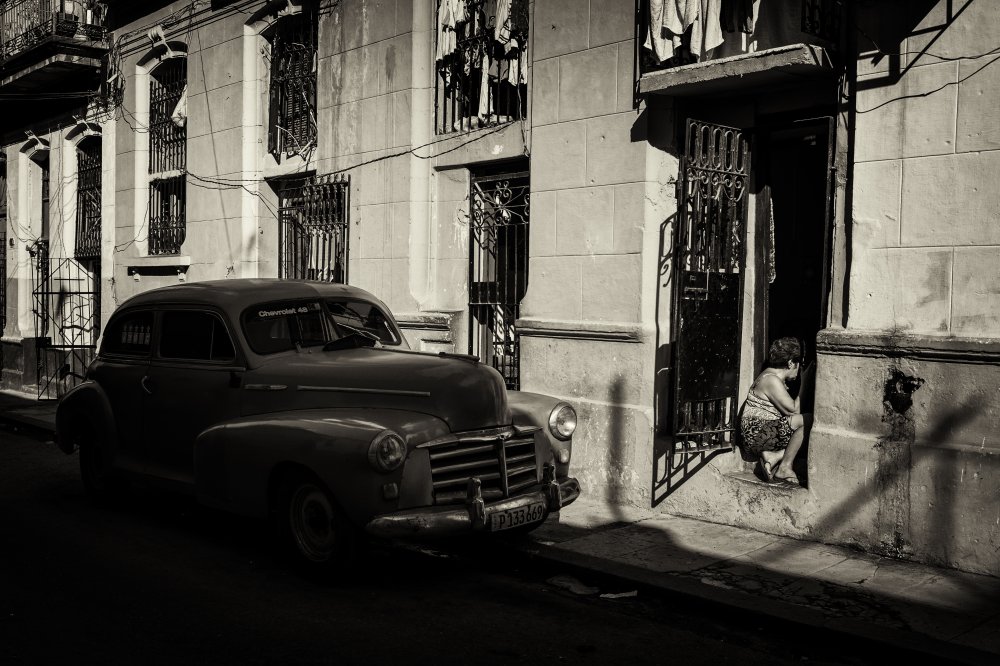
[
  {"x": 313, "y": 228},
  {"x": 481, "y": 64},
  {"x": 498, "y": 270}
]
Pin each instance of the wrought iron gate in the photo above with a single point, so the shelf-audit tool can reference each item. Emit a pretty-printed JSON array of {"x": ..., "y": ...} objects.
[
  {"x": 67, "y": 311},
  {"x": 498, "y": 270},
  {"x": 709, "y": 258},
  {"x": 314, "y": 231}
]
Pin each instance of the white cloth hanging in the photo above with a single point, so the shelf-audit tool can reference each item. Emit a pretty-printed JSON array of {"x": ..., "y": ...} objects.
[
  {"x": 180, "y": 114},
  {"x": 670, "y": 19}
]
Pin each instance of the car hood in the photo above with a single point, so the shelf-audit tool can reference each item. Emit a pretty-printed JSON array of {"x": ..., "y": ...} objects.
[{"x": 462, "y": 392}]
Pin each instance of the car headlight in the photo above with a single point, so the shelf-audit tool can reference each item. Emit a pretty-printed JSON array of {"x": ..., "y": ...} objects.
[
  {"x": 562, "y": 421},
  {"x": 387, "y": 451}
]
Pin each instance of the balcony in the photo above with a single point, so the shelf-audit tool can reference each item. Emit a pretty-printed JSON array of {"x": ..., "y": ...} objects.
[
  {"x": 49, "y": 44},
  {"x": 747, "y": 46}
]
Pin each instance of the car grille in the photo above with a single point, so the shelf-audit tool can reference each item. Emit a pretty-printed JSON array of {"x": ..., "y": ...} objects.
[{"x": 505, "y": 463}]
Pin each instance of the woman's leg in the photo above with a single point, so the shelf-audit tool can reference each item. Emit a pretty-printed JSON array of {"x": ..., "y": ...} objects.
[{"x": 800, "y": 423}]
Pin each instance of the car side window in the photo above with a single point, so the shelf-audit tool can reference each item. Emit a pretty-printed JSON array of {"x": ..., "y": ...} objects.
[
  {"x": 194, "y": 336},
  {"x": 359, "y": 315},
  {"x": 129, "y": 334}
]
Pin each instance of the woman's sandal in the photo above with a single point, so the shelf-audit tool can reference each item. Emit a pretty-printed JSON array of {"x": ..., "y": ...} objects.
[{"x": 767, "y": 470}]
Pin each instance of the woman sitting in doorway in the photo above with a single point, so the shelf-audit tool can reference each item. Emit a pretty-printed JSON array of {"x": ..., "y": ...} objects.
[{"x": 772, "y": 426}]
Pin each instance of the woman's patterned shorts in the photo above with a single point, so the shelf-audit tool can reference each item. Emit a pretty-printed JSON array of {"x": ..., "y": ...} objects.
[{"x": 761, "y": 435}]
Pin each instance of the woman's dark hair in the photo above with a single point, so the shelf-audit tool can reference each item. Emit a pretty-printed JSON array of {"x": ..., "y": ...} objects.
[{"x": 782, "y": 351}]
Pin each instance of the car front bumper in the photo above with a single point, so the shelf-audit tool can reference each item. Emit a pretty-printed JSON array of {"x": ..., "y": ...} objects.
[{"x": 473, "y": 515}]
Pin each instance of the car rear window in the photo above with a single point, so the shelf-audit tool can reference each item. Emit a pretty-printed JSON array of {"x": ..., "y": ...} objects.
[{"x": 129, "y": 334}]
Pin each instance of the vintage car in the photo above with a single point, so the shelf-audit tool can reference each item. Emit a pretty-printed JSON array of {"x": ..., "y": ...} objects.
[{"x": 301, "y": 402}]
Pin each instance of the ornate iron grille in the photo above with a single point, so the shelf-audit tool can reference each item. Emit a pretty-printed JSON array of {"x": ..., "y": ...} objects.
[
  {"x": 498, "y": 270},
  {"x": 292, "y": 114},
  {"x": 26, "y": 23},
  {"x": 67, "y": 321},
  {"x": 88, "y": 199},
  {"x": 708, "y": 265},
  {"x": 481, "y": 64},
  {"x": 167, "y": 215},
  {"x": 313, "y": 228},
  {"x": 167, "y": 135}
]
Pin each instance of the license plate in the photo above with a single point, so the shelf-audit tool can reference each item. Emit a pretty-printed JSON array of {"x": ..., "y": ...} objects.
[{"x": 522, "y": 515}]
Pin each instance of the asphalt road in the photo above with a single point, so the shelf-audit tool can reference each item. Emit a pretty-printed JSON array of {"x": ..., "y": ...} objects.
[{"x": 160, "y": 580}]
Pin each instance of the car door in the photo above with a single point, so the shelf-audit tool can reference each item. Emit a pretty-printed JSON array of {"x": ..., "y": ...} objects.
[
  {"x": 119, "y": 371},
  {"x": 193, "y": 383}
]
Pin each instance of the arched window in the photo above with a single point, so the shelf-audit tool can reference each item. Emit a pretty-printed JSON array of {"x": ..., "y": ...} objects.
[
  {"x": 292, "y": 92},
  {"x": 167, "y": 156},
  {"x": 88, "y": 198}
]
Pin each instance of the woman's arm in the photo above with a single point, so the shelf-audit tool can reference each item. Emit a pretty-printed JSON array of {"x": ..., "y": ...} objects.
[{"x": 775, "y": 390}]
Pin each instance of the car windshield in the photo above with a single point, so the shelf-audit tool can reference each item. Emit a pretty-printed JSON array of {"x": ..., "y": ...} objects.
[
  {"x": 354, "y": 316},
  {"x": 279, "y": 326}
]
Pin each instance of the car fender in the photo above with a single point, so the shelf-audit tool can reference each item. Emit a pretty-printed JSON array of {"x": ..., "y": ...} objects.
[
  {"x": 533, "y": 409},
  {"x": 237, "y": 463},
  {"x": 86, "y": 401}
]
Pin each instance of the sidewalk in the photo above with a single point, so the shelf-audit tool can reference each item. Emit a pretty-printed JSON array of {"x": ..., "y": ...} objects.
[{"x": 943, "y": 612}]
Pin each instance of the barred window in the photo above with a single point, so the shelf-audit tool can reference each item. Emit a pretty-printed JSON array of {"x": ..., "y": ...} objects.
[
  {"x": 168, "y": 156},
  {"x": 292, "y": 103},
  {"x": 313, "y": 228},
  {"x": 88, "y": 199},
  {"x": 481, "y": 63}
]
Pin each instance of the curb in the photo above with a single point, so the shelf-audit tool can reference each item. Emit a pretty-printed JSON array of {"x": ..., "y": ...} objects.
[{"x": 697, "y": 592}]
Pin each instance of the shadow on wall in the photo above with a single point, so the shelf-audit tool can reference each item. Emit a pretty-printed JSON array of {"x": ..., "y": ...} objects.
[
  {"x": 617, "y": 462},
  {"x": 882, "y": 33}
]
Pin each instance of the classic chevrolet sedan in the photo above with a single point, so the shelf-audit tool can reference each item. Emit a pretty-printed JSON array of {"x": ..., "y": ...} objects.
[{"x": 300, "y": 402}]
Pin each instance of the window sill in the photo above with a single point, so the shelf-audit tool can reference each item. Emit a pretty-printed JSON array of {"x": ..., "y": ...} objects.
[
  {"x": 160, "y": 264},
  {"x": 752, "y": 70}
]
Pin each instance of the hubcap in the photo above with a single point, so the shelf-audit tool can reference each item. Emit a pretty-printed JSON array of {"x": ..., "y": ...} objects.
[{"x": 311, "y": 520}]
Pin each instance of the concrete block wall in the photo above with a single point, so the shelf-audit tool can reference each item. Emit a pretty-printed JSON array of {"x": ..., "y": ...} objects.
[
  {"x": 366, "y": 81},
  {"x": 926, "y": 211},
  {"x": 589, "y": 190}
]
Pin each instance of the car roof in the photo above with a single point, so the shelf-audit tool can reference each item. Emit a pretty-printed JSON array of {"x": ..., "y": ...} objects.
[{"x": 235, "y": 295}]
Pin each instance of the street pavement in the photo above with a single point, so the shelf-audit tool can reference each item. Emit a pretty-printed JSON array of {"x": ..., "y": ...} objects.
[{"x": 949, "y": 614}]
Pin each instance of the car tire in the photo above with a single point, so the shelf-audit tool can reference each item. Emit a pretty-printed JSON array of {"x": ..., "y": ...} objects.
[
  {"x": 312, "y": 529},
  {"x": 99, "y": 482}
]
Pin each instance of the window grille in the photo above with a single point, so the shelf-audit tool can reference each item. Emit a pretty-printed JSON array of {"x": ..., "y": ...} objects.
[
  {"x": 498, "y": 270},
  {"x": 88, "y": 199},
  {"x": 292, "y": 107},
  {"x": 481, "y": 63},
  {"x": 313, "y": 233},
  {"x": 167, "y": 157},
  {"x": 44, "y": 165},
  {"x": 167, "y": 127},
  {"x": 167, "y": 215}
]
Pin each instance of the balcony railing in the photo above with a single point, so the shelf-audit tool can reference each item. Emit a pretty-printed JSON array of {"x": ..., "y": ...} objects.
[
  {"x": 25, "y": 24},
  {"x": 818, "y": 23}
]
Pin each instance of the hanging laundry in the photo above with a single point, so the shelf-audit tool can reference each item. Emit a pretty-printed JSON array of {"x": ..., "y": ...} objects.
[
  {"x": 706, "y": 31},
  {"x": 668, "y": 19},
  {"x": 737, "y": 16},
  {"x": 180, "y": 114}
]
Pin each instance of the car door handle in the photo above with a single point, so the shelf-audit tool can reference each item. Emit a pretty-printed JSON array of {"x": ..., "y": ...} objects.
[{"x": 145, "y": 385}]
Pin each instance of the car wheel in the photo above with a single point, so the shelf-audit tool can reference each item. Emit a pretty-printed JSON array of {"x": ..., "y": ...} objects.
[
  {"x": 313, "y": 528},
  {"x": 99, "y": 482}
]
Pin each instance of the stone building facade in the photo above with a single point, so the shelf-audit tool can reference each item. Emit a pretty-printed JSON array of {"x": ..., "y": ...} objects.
[{"x": 821, "y": 172}]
